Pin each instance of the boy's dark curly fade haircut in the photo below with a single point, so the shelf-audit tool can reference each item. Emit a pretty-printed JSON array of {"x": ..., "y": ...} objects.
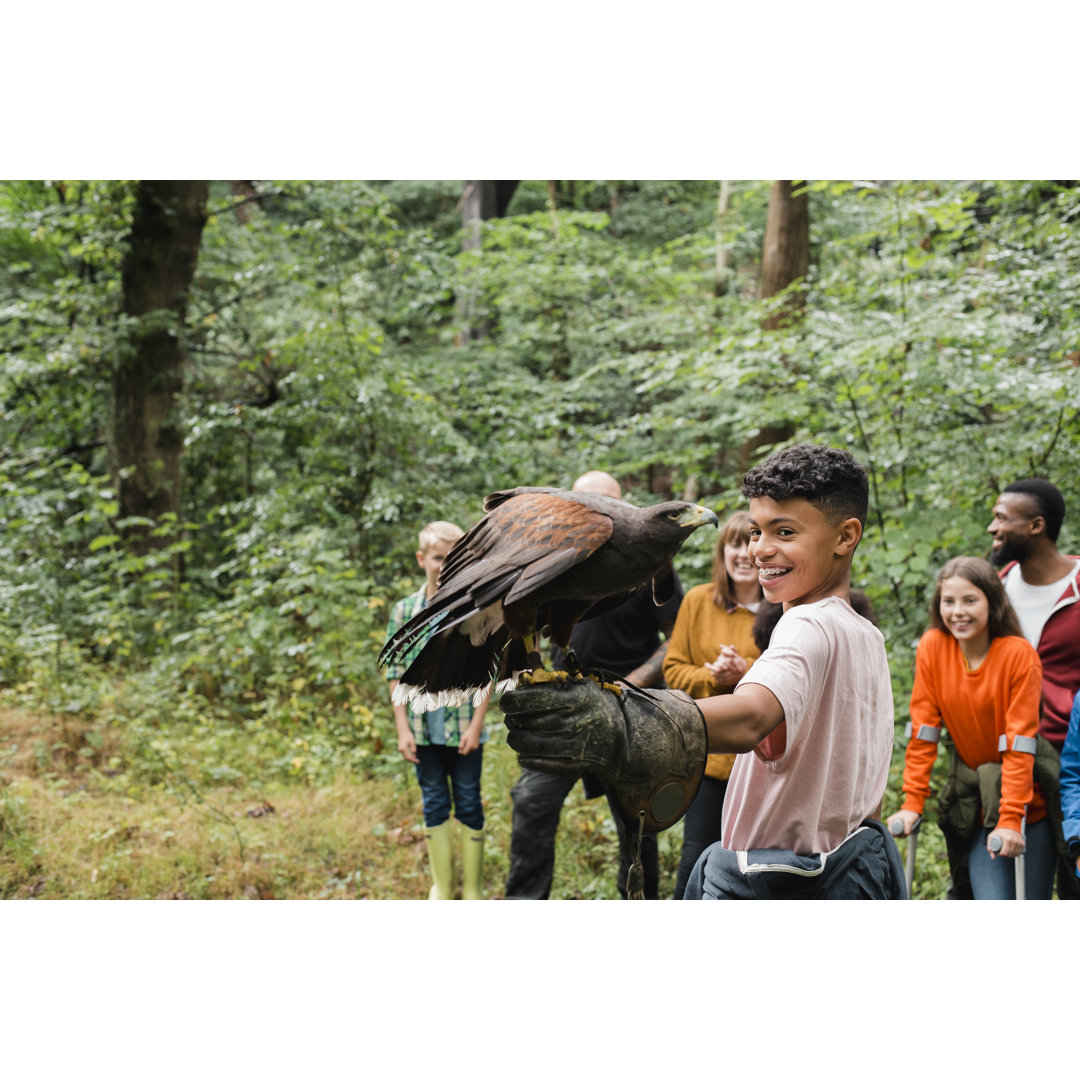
[{"x": 830, "y": 479}]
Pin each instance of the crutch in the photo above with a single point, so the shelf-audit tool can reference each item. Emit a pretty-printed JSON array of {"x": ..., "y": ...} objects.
[
  {"x": 897, "y": 829},
  {"x": 995, "y": 845},
  {"x": 932, "y": 734},
  {"x": 1022, "y": 744}
]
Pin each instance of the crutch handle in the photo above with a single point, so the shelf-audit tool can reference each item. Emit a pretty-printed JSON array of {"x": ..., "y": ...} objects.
[{"x": 896, "y": 827}]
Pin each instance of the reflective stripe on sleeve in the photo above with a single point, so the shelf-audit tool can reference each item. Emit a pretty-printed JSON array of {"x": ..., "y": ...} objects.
[{"x": 1022, "y": 744}]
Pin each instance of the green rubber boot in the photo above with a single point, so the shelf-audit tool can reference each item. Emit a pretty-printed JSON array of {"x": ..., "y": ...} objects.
[
  {"x": 472, "y": 863},
  {"x": 440, "y": 848}
]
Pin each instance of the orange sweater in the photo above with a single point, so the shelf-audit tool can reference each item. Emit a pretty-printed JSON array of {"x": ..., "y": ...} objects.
[
  {"x": 700, "y": 629},
  {"x": 1002, "y": 696}
]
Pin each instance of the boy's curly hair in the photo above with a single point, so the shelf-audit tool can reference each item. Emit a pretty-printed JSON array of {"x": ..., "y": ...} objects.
[{"x": 830, "y": 479}]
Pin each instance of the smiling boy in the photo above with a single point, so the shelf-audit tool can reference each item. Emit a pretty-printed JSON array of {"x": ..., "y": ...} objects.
[{"x": 812, "y": 720}]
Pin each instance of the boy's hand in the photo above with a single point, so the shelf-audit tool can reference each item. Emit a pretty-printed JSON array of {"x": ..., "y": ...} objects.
[
  {"x": 469, "y": 741},
  {"x": 648, "y": 746},
  {"x": 406, "y": 743}
]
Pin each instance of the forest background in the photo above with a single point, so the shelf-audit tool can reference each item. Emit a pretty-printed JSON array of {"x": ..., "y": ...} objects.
[{"x": 226, "y": 407}]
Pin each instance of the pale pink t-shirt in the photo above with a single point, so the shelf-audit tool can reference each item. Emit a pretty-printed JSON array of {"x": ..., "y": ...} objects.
[{"x": 827, "y": 667}]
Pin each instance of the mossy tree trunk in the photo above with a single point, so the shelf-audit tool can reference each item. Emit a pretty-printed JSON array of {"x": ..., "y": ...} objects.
[
  {"x": 785, "y": 255},
  {"x": 785, "y": 260},
  {"x": 145, "y": 429}
]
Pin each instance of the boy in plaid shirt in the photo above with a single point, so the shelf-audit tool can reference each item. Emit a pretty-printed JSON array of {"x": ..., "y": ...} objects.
[{"x": 445, "y": 745}]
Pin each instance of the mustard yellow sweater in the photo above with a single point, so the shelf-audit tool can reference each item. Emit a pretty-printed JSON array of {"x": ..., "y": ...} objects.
[{"x": 700, "y": 629}]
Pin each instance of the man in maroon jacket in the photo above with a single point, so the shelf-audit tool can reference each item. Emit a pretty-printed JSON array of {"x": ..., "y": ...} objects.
[{"x": 1043, "y": 587}]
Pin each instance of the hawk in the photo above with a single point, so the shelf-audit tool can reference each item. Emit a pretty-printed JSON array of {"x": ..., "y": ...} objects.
[{"x": 539, "y": 560}]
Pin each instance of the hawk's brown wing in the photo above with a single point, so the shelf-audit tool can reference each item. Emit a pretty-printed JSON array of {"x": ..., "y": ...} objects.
[
  {"x": 540, "y": 533},
  {"x": 525, "y": 542}
]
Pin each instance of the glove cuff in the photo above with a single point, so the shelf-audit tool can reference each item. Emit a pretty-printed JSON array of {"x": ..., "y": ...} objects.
[{"x": 666, "y": 795}]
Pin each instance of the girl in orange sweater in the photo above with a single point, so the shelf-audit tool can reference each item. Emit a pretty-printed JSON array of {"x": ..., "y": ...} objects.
[{"x": 979, "y": 677}]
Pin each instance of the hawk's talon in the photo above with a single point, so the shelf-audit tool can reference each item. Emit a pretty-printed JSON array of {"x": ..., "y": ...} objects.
[
  {"x": 600, "y": 681},
  {"x": 542, "y": 675}
]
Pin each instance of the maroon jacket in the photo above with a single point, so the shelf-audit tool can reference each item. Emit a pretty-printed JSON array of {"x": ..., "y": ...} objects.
[{"x": 1059, "y": 651}]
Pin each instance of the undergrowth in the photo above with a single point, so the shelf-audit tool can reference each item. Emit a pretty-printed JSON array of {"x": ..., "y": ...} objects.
[
  {"x": 147, "y": 788},
  {"x": 133, "y": 807}
]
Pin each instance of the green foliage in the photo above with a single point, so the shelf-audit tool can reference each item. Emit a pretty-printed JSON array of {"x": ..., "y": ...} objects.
[{"x": 330, "y": 408}]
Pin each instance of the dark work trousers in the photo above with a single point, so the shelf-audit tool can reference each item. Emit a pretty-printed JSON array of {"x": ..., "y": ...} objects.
[
  {"x": 701, "y": 827},
  {"x": 538, "y": 801}
]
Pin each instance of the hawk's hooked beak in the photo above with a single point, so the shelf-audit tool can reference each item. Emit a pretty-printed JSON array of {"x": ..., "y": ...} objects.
[{"x": 695, "y": 516}]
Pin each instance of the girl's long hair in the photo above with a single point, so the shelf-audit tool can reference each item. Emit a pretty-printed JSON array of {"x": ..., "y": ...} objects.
[
  {"x": 1002, "y": 621},
  {"x": 736, "y": 529}
]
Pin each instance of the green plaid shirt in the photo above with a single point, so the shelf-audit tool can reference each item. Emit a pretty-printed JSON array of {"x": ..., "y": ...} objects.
[{"x": 441, "y": 727}]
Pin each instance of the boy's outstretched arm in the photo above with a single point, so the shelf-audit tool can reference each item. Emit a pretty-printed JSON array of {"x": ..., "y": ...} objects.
[
  {"x": 737, "y": 722},
  {"x": 648, "y": 746}
]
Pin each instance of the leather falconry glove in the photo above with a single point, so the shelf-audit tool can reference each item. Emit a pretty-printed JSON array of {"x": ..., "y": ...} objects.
[{"x": 648, "y": 746}]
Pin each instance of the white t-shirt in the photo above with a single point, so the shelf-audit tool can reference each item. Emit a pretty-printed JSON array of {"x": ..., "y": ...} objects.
[
  {"x": 806, "y": 786},
  {"x": 1034, "y": 603}
]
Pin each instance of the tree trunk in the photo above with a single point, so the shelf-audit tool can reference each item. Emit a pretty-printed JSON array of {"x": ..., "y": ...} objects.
[
  {"x": 481, "y": 201},
  {"x": 785, "y": 259},
  {"x": 723, "y": 256},
  {"x": 785, "y": 256},
  {"x": 145, "y": 429},
  {"x": 247, "y": 197}
]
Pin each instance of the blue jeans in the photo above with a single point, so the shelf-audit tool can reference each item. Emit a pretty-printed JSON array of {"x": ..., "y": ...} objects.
[
  {"x": 439, "y": 769},
  {"x": 995, "y": 879}
]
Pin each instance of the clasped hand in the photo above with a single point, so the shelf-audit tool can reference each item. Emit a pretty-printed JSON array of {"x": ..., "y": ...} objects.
[{"x": 728, "y": 667}]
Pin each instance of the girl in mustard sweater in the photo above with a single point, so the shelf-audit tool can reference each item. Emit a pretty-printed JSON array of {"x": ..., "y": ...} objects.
[
  {"x": 976, "y": 675},
  {"x": 711, "y": 648}
]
